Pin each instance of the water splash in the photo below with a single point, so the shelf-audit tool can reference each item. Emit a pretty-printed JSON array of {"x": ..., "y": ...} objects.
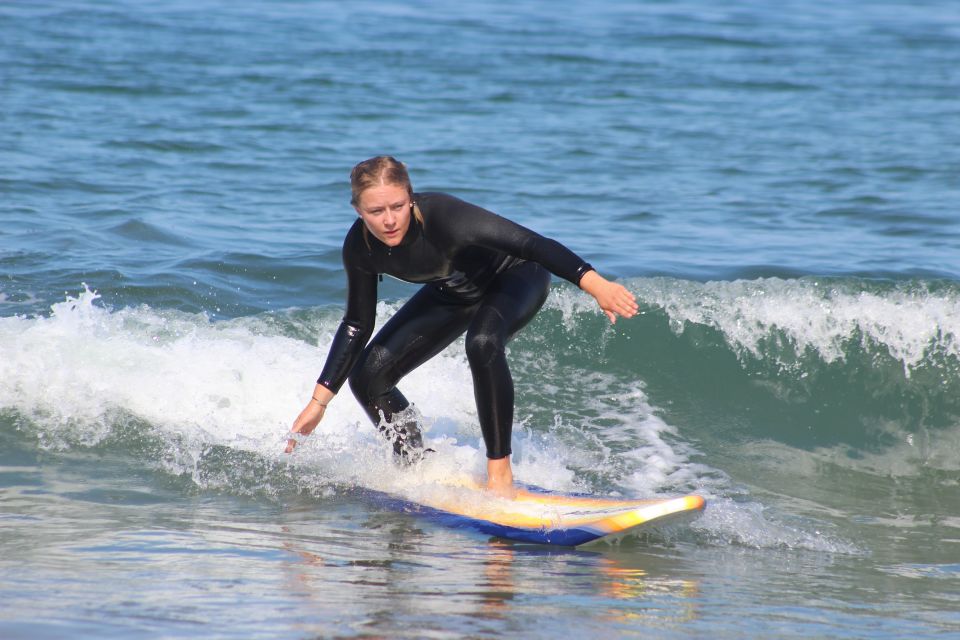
[
  {"x": 914, "y": 323},
  {"x": 212, "y": 402}
]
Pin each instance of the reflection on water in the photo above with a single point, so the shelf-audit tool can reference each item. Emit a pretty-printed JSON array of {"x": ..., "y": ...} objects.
[
  {"x": 343, "y": 567},
  {"x": 498, "y": 587},
  {"x": 392, "y": 574},
  {"x": 665, "y": 600}
]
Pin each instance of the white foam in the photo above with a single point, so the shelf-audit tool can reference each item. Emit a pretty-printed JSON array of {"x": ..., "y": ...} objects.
[
  {"x": 239, "y": 384},
  {"x": 748, "y": 524},
  {"x": 229, "y": 383},
  {"x": 174, "y": 370},
  {"x": 908, "y": 321}
]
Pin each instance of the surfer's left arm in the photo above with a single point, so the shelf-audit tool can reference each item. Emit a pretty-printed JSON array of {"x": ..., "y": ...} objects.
[
  {"x": 614, "y": 299},
  {"x": 489, "y": 229}
]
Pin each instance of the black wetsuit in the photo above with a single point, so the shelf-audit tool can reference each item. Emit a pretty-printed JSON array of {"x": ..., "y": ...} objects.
[{"x": 483, "y": 274}]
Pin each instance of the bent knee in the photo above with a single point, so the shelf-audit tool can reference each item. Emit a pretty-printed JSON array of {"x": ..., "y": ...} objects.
[
  {"x": 369, "y": 377},
  {"x": 482, "y": 349}
]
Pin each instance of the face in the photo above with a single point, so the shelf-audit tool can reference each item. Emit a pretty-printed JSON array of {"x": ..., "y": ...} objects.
[{"x": 385, "y": 210}]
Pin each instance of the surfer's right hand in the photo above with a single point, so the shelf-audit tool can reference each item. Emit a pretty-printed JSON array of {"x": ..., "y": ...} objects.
[{"x": 311, "y": 415}]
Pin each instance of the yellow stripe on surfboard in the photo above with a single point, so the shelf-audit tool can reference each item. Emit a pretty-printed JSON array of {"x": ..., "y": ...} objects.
[{"x": 531, "y": 510}]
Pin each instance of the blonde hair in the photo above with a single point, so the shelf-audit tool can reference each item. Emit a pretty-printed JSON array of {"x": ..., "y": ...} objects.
[{"x": 377, "y": 171}]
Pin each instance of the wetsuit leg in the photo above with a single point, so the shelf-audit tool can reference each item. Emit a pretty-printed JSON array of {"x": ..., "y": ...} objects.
[
  {"x": 422, "y": 328},
  {"x": 509, "y": 304}
]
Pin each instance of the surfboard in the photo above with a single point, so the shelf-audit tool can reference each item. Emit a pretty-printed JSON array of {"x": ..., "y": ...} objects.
[{"x": 538, "y": 516}]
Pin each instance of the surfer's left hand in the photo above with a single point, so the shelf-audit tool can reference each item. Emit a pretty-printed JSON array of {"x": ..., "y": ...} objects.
[{"x": 614, "y": 299}]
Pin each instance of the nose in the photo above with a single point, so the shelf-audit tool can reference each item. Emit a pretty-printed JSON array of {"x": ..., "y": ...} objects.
[{"x": 389, "y": 220}]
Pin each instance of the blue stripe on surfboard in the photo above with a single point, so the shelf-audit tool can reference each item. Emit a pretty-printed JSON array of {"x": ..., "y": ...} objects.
[
  {"x": 563, "y": 537},
  {"x": 567, "y": 537}
]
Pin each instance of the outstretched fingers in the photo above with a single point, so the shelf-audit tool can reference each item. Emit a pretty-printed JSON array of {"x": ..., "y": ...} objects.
[
  {"x": 626, "y": 303},
  {"x": 619, "y": 301},
  {"x": 614, "y": 299}
]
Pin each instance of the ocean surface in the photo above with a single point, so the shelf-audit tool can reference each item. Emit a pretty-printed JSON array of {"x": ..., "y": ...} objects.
[{"x": 779, "y": 184}]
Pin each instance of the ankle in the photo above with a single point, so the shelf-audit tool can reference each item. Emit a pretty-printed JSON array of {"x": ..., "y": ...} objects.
[{"x": 499, "y": 472}]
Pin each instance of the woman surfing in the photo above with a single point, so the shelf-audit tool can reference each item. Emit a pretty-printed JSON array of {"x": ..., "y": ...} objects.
[{"x": 482, "y": 274}]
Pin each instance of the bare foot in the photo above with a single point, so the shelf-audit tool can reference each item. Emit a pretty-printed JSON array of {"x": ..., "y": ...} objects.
[{"x": 500, "y": 478}]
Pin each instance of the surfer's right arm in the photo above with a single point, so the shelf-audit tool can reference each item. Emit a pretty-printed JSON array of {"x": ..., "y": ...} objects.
[
  {"x": 351, "y": 337},
  {"x": 311, "y": 415}
]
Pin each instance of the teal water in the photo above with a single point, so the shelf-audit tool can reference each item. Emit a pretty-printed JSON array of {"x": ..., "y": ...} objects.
[{"x": 776, "y": 184}]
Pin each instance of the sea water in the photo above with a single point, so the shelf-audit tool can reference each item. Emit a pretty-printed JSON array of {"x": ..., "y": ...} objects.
[{"x": 778, "y": 185}]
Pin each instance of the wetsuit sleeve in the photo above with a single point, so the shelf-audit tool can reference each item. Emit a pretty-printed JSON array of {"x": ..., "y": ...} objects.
[
  {"x": 357, "y": 324},
  {"x": 487, "y": 229}
]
